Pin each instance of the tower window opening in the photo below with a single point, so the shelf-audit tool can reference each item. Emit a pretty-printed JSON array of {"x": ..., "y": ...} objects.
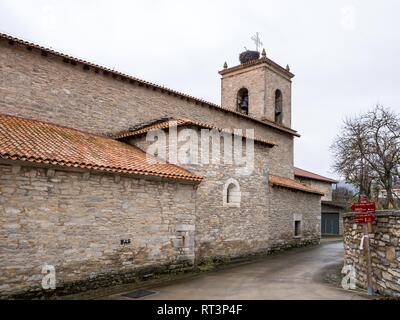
[
  {"x": 243, "y": 101},
  {"x": 278, "y": 106}
]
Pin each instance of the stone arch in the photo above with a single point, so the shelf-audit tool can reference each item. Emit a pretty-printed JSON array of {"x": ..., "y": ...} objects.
[
  {"x": 231, "y": 193},
  {"x": 278, "y": 106},
  {"x": 242, "y": 101}
]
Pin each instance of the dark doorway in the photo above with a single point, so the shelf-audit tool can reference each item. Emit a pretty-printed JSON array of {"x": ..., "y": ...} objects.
[{"x": 330, "y": 224}]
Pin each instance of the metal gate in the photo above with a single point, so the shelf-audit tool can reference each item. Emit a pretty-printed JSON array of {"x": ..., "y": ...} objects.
[{"x": 330, "y": 223}]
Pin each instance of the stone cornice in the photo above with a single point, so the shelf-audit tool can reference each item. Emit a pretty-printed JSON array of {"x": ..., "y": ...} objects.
[{"x": 259, "y": 62}]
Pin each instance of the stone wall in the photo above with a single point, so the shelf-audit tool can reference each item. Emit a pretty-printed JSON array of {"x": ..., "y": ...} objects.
[
  {"x": 232, "y": 231},
  {"x": 325, "y": 187},
  {"x": 48, "y": 89},
  {"x": 261, "y": 81},
  {"x": 227, "y": 231},
  {"x": 251, "y": 78},
  {"x": 385, "y": 251},
  {"x": 285, "y": 208},
  {"x": 75, "y": 221},
  {"x": 274, "y": 81},
  {"x": 265, "y": 218}
]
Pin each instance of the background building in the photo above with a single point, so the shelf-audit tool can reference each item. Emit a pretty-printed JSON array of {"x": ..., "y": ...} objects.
[{"x": 331, "y": 211}]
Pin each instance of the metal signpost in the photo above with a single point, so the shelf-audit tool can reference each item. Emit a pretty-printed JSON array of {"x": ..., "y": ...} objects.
[{"x": 365, "y": 215}]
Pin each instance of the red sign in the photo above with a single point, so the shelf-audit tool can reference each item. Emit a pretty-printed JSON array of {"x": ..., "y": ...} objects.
[
  {"x": 365, "y": 211},
  {"x": 364, "y": 218},
  {"x": 367, "y": 207}
]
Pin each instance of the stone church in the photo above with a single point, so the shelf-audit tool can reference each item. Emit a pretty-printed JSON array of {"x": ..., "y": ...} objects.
[{"x": 78, "y": 192}]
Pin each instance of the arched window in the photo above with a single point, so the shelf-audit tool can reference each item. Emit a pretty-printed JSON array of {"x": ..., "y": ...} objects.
[
  {"x": 231, "y": 194},
  {"x": 243, "y": 101},
  {"x": 278, "y": 106}
]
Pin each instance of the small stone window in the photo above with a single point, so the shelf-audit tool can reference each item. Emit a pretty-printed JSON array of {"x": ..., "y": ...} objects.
[
  {"x": 243, "y": 101},
  {"x": 182, "y": 237},
  {"x": 231, "y": 194},
  {"x": 297, "y": 228},
  {"x": 278, "y": 106}
]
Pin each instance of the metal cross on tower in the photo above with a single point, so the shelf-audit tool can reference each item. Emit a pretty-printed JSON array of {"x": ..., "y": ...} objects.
[{"x": 257, "y": 41}]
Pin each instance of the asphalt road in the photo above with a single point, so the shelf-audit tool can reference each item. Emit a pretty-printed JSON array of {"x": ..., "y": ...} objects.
[{"x": 297, "y": 274}]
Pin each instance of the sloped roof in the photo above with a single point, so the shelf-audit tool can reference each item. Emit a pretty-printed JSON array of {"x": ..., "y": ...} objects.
[
  {"x": 46, "y": 143},
  {"x": 292, "y": 184},
  {"x": 133, "y": 80},
  {"x": 307, "y": 174},
  {"x": 166, "y": 123},
  {"x": 335, "y": 204}
]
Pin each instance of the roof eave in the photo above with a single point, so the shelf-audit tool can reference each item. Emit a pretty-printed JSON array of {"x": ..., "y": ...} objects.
[
  {"x": 138, "y": 133},
  {"x": 317, "y": 179},
  {"x": 80, "y": 168},
  {"x": 296, "y": 189}
]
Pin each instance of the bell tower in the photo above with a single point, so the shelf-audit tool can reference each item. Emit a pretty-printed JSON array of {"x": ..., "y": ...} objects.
[{"x": 258, "y": 87}]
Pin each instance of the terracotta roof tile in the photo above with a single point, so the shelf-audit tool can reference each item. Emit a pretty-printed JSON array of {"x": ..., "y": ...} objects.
[
  {"x": 307, "y": 174},
  {"x": 41, "y": 142},
  {"x": 292, "y": 184},
  {"x": 165, "y": 124},
  {"x": 148, "y": 84}
]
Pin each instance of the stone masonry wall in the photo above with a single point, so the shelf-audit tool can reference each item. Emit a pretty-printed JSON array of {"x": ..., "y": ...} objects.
[
  {"x": 253, "y": 79},
  {"x": 46, "y": 88},
  {"x": 284, "y": 209},
  {"x": 229, "y": 232},
  {"x": 385, "y": 251},
  {"x": 223, "y": 231},
  {"x": 258, "y": 225},
  {"x": 324, "y": 187},
  {"x": 274, "y": 81},
  {"x": 75, "y": 221},
  {"x": 262, "y": 83}
]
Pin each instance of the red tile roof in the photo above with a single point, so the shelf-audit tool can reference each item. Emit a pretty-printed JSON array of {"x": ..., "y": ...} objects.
[
  {"x": 292, "y": 184},
  {"x": 201, "y": 102},
  {"x": 313, "y": 176},
  {"x": 165, "y": 124},
  {"x": 41, "y": 142}
]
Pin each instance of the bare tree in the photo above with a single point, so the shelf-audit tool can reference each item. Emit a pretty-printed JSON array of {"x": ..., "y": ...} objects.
[
  {"x": 349, "y": 160},
  {"x": 342, "y": 194},
  {"x": 368, "y": 151}
]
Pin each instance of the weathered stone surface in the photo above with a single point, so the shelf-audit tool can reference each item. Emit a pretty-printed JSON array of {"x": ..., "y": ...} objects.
[
  {"x": 80, "y": 233},
  {"x": 285, "y": 208},
  {"x": 263, "y": 221},
  {"x": 261, "y": 81},
  {"x": 385, "y": 255}
]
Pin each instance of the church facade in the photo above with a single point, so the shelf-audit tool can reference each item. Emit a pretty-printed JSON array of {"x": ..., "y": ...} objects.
[{"x": 80, "y": 193}]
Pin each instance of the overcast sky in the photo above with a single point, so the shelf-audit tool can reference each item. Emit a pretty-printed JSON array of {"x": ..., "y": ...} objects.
[{"x": 345, "y": 54}]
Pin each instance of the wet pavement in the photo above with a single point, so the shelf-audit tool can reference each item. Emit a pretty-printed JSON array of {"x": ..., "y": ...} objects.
[{"x": 296, "y": 274}]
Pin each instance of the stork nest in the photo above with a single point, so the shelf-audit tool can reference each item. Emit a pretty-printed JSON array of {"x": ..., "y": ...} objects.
[{"x": 248, "y": 56}]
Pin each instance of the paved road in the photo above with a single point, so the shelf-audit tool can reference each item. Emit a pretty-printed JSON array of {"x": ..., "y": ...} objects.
[{"x": 295, "y": 274}]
